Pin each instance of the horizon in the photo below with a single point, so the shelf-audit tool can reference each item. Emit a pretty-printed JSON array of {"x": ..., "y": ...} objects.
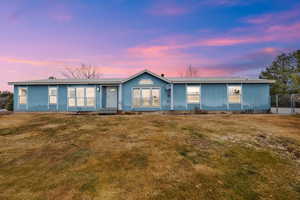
[{"x": 221, "y": 38}]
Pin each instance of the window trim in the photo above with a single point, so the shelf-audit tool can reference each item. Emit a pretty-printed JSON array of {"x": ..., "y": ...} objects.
[
  {"x": 68, "y": 97},
  {"x": 228, "y": 94},
  {"x": 84, "y": 97},
  {"x": 50, "y": 87},
  {"x": 187, "y": 99},
  {"x": 19, "y": 89},
  {"x": 141, "y": 106}
]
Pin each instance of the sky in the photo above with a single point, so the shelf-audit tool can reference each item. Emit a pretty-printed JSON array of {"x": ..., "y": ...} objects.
[{"x": 221, "y": 38}]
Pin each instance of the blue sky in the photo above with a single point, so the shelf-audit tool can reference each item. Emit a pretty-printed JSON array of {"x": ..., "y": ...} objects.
[{"x": 40, "y": 38}]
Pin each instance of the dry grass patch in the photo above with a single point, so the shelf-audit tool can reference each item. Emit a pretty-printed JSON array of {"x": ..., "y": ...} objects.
[{"x": 155, "y": 157}]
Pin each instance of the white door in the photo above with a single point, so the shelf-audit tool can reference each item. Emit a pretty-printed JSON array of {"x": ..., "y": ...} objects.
[{"x": 111, "y": 97}]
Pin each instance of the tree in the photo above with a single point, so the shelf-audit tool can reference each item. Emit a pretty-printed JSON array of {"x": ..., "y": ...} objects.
[
  {"x": 82, "y": 72},
  {"x": 285, "y": 71},
  {"x": 4, "y": 98},
  {"x": 189, "y": 72},
  {"x": 10, "y": 103}
]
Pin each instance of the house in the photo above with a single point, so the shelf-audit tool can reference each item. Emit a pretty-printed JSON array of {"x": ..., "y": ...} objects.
[{"x": 144, "y": 91}]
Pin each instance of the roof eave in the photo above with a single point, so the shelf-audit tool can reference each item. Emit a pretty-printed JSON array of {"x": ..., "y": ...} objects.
[
  {"x": 149, "y": 72},
  {"x": 227, "y": 81},
  {"x": 61, "y": 83}
]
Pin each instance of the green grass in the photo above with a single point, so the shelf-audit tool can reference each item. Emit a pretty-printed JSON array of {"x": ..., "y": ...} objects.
[{"x": 154, "y": 157}]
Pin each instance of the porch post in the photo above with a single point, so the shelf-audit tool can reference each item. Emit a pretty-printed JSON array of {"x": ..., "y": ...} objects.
[
  {"x": 172, "y": 98},
  {"x": 120, "y": 97}
]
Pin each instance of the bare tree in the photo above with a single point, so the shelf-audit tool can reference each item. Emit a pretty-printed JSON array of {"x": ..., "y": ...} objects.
[
  {"x": 190, "y": 71},
  {"x": 82, "y": 72}
]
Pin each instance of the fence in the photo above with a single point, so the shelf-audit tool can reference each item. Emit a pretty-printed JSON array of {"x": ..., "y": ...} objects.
[{"x": 285, "y": 103}]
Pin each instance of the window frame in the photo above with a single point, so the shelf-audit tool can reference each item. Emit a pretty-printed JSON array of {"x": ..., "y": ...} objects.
[
  {"x": 240, "y": 95},
  {"x": 69, "y": 97},
  {"x": 82, "y": 98},
  {"x": 187, "y": 94},
  {"x": 141, "y": 99},
  {"x": 56, "y": 95},
  {"x": 19, "y": 95},
  {"x": 85, "y": 97}
]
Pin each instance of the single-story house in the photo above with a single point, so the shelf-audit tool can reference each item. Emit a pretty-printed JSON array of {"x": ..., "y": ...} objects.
[{"x": 144, "y": 91}]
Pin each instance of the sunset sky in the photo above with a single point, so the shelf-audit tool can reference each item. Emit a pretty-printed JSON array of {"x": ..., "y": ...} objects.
[{"x": 40, "y": 38}]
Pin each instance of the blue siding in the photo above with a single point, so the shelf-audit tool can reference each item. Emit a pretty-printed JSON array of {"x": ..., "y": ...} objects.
[
  {"x": 236, "y": 106},
  {"x": 103, "y": 97},
  {"x": 179, "y": 96},
  {"x": 127, "y": 90},
  {"x": 16, "y": 94},
  {"x": 37, "y": 98},
  {"x": 62, "y": 98},
  {"x": 214, "y": 96},
  {"x": 17, "y": 106},
  {"x": 256, "y": 96}
]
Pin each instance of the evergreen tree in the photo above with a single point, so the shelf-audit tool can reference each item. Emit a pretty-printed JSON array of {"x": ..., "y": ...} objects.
[{"x": 285, "y": 71}]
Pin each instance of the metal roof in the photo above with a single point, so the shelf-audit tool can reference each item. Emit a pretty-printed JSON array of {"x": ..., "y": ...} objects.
[
  {"x": 123, "y": 80},
  {"x": 219, "y": 80},
  {"x": 68, "y": 81}
]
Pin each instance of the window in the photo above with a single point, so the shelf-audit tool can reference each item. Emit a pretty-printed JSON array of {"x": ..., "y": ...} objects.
[
  {"x": 22, "y": 95},
  {"x": 234, "y": 94},
  {"x": 71, "y": 97},
  {"x": 146, "y": 97},
  {"x": 193, "y": 94},
  {"x": 155, "y": 97},
  {"x": 90, "y": 96},
  {"x": 81, "y": 96},
  {"x": 136, "y": 97},
  {"x": 52, "y": 95}
]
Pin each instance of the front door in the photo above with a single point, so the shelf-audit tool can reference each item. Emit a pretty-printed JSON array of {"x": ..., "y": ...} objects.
[{"x": 111, "y": 97}]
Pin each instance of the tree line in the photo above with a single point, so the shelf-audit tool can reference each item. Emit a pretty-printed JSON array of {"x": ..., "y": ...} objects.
[
  {"x": 6, "y": 100},
  {"x": 285, "y": 70}
]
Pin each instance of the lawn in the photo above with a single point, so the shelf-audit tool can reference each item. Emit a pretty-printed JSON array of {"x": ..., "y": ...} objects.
[{"x": 151, "y": 156}]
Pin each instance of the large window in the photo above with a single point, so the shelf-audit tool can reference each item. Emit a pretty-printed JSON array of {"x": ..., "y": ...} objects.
[
  {"x": 146, "y": 97},
  {"x": 234, "y": 94},
  {"x": 22, "y": 95},
  {"x": 52, "y": 95},
  {"x": 193, "y": 94},
  {"x": 81, "y": 96}
]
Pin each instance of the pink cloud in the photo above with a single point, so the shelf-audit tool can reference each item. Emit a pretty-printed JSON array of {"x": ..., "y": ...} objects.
[
  {"x": 34, "y": 62},
  {"x": 275, "y": 18},
  {"x": 168, "y": 9},
  {"x": 270, "y": 50},
  {"x": 228, "y": 41},
  {"x": 260, "y": 19}
]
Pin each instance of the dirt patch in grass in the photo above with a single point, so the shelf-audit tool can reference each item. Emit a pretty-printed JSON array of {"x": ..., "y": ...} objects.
[{"x": 58, "y": 156}]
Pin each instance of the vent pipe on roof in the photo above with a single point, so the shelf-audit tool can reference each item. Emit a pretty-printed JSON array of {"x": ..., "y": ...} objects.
[{"x": 162, "y": 75}]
